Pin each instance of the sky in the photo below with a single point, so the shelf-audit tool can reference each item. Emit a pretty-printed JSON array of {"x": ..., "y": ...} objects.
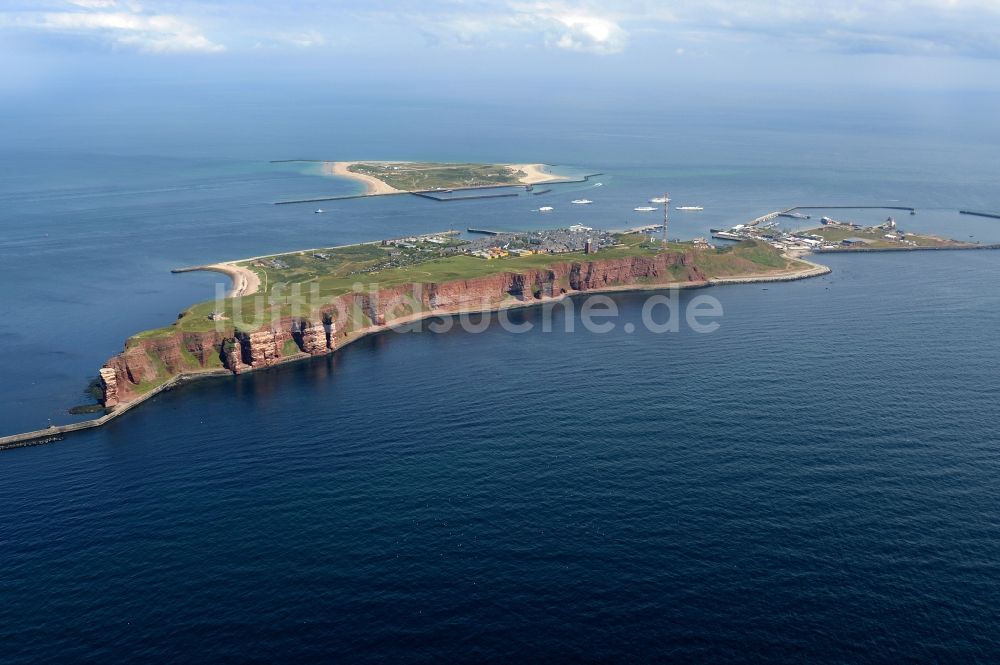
[
  {"x": 917, "y": 44},
  {"x": 255, "y": 77}
]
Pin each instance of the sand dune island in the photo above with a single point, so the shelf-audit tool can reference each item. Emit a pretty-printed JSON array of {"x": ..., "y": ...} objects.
[{"x": 398, "y": 177}]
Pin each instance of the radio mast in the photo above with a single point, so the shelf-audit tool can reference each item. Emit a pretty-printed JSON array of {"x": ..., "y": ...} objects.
[{"x": 666, "y": 217}]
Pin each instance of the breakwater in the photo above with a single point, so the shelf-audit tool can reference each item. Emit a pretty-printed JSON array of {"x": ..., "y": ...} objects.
[
  {"x": 336, "y": 198},
  {"x": 842, "y": 250},
  {"x": 846, "y": 207},
  {"x": 443, "y": 199},
  {"x": 56, "y": 432},
  {"x": 429, "y": 193},
  {"x": 994, "y": 215}
]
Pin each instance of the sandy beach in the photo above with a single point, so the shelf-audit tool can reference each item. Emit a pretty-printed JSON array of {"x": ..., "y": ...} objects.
[
  {"x": 535, "y": 173},
  {"x": 245, "y": 281},
  {"x": 373, "y": 186}
]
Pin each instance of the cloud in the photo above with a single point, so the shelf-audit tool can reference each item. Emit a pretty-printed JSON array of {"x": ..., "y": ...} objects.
[
  {"x": 916, "y": 27},
  {"x": 941, "y": 28},
  {"x": 520, "y": 24},
  {"x": 586, "y": 33},
  {"x": 93, "y": 4},
  {"x": 307, "y": 39},
  {"x": 128, "y": 25},
  {"x": 300, "y": 40}
]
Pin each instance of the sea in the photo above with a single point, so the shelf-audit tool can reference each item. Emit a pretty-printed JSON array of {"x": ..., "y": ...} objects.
[{"x": 816, "y": 480}]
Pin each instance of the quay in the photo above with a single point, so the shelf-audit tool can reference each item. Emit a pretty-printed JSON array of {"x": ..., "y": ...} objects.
[
  {"x": 638, "y": 229},
  {"x": 765, "y": 218},
  {"x": 787, "y": 211}
]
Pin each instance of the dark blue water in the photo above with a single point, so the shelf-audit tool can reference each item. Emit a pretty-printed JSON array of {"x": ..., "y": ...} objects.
[{"x": 816, "y": 480}]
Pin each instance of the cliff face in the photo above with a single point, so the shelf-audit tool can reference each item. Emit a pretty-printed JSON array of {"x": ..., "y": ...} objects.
[
  {"x": 144, "y": 362},
  {"x": 147, "y": 362}
]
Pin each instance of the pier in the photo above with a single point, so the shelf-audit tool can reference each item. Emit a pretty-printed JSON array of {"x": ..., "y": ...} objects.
[
  {"x": 765, "y": 218},
  {"x": 787, "y": 211}
]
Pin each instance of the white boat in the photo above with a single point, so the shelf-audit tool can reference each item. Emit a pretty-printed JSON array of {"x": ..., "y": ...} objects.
[
  {"x": 644, "y": 209},
  {"x": 319, "y": 211},
  {"x": 545, "y": 209},
  {"x": 660, "y": 199},
  {"x": 581, "y": 202},
  {"x": 598, "y": 184},
  {"x": 690, "y": 208}
]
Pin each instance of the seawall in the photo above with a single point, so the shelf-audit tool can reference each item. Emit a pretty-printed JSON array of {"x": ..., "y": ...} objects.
[{"x": 55, "y": 432}]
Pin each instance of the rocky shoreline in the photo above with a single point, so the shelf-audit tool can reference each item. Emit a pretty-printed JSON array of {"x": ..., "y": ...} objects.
[{"x": 126, "y": 378}]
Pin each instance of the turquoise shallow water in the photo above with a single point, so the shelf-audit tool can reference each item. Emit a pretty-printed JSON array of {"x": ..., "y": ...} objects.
[{"x": 816, "y": 480}]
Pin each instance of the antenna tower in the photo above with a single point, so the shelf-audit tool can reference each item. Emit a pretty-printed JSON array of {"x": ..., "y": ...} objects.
[{"x": 666, "y": 216}]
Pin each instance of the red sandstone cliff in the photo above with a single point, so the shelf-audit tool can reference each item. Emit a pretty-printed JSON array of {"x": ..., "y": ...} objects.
[{"x": 146, "y": 362}]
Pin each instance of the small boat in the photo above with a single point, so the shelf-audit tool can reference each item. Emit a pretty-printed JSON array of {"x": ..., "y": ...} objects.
[
  {"x": 598, "y": 184},
  {"x": 545, "y": 209},
  {"x": 319, "y": 211},
  {"x": 581, "y": 202},
  {"x": 690, "y": 208},
  {"x": 644, "y": 209},
  {"x": 660, "y": 199}
]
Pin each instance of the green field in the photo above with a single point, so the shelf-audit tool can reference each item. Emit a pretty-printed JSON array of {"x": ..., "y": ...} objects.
[
  {"x": 417, "y": 176},
  {"x": 300, "y": 283}
]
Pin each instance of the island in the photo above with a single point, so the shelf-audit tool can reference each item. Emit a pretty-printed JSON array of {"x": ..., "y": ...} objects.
[
  {"x": 312, "y": 302},
  {"x": 407, "y": 177},
  {"x": 297, "y": 305}
]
